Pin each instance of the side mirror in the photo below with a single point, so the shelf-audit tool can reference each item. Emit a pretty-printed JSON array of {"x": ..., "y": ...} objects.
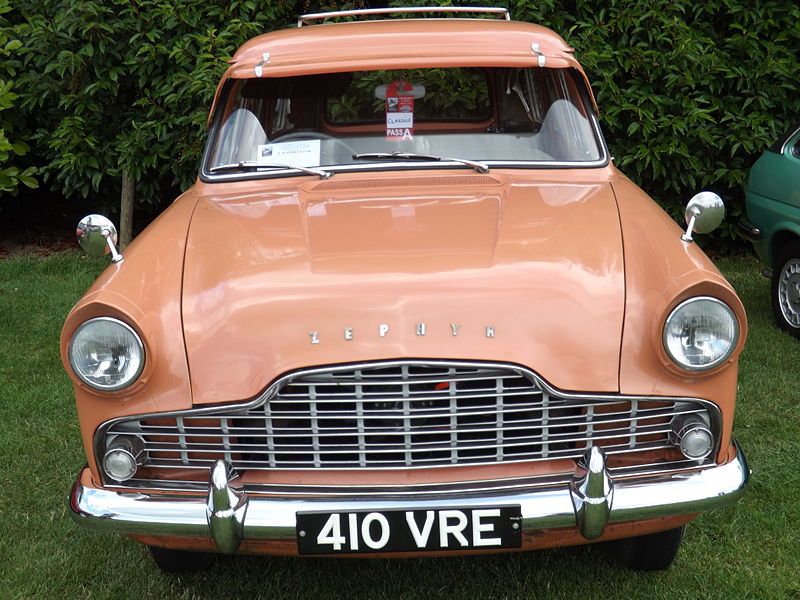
[
  {"x": 97, "y": 236},
  {"x": 703, "y": 214}
]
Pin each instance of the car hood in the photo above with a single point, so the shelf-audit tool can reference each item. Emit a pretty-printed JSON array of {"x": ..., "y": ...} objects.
[{"x": 464, "y": 267}]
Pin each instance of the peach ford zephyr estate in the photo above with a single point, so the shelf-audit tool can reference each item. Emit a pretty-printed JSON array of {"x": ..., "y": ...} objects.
[{"x": 408, "y": 308}]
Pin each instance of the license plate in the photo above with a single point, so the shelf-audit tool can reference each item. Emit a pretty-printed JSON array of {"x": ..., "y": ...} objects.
[{"x": 399, "y": 530}]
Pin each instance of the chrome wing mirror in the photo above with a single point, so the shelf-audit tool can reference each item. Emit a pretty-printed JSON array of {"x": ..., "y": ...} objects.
[
  {"x": 98, "y": 236},
  {"x": 703, "y": 214}
]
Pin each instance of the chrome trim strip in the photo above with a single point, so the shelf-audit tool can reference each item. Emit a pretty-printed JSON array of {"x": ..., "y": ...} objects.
[
  {"x": 308, "y": 466},
  {"x": 405, "y": 166},
  {"x": 752, "y": 232},
  {"x": 789, "y": 138},
  {"x": 461, "y": 487},
  {"x": 274, "y": 517},
  {"x": 361, "y": 491},
  {"x": 305, "y": 19}
]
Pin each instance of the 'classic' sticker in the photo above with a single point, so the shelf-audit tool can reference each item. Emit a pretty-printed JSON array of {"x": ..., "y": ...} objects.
[{"x": 399, "y": 111}]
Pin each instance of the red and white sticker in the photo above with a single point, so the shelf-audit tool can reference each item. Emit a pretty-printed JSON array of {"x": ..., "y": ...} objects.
[{"x": 399, "y": 111}]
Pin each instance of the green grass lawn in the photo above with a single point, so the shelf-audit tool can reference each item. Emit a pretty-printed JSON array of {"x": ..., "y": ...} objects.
[{"x": 749, "y": 550}]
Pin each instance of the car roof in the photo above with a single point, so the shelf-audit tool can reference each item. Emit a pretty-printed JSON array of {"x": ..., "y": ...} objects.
[{"x": 400, "y": 43}]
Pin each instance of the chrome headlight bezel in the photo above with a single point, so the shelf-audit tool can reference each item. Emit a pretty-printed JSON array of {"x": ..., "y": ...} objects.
[
  {"x": 715, "y": 320},
  {"x": 131, "y": 358}
]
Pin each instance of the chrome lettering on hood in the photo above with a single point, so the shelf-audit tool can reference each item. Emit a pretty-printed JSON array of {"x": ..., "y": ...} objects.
[{"x": 421, "y": 329}]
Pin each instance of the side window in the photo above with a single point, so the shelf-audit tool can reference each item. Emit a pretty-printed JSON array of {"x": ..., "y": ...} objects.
[{"x": 796, "y": 148}]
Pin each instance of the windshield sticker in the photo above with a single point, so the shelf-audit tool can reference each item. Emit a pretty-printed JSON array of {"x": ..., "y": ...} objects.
[
  {"x": 303, "y": 153},
  {"x": 400, "y": 111}
]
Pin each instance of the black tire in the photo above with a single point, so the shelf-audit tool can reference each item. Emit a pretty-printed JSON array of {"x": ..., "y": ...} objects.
[
  {"x": 786, "y": 288},
  {"x": 652, "y": 552},
  {"x": 181, "y": 561}
]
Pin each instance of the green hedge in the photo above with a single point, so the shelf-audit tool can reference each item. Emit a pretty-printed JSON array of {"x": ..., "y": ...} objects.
[
  {"x": 12, "y": 144},
  {"x": 117, "y": 85},
  {"x": 689, "y": 92}
]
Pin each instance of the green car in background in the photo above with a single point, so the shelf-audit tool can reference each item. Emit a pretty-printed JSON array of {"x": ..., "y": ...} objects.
[{"x": 773, "y": 223}]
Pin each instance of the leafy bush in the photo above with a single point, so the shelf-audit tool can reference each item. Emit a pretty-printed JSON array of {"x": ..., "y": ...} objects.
[
  {"x": 127, "y": 85},
  {"x": 11, "y": 175},
  {"x": 689, "y": 92}
]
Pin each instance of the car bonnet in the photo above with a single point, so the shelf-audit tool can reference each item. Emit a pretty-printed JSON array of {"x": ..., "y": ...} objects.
[{"x": 455, "y": 266}]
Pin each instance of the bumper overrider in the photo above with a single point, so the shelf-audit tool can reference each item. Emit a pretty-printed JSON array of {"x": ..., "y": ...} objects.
[{"x": 592, "y": 499}]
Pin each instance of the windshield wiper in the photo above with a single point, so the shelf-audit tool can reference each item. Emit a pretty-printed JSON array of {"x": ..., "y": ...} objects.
[
  {"x": 478, "y": 166},
  {"x": 251, "y": 165}
]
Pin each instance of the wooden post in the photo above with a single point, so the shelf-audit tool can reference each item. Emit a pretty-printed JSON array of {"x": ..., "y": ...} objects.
[{"x": 126, "y": 209}]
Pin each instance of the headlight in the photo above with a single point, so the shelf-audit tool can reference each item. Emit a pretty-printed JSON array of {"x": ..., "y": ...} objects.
[
  {"x": 106, "y": 354},
  {"x": 700, "y": 333}
]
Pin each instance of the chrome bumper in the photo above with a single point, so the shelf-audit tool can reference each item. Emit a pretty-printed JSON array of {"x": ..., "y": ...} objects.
[{"x": 593, "y": 498}]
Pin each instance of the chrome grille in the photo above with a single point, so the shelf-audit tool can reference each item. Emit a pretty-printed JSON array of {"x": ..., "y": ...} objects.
[{"x": 406, "y": 415}]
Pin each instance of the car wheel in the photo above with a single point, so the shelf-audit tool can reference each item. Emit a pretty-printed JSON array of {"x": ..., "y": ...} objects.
[
  {"x": 786, "y": 288},
  {"x": 181, "y": 561},
  {"x": 652, "y": 552}
]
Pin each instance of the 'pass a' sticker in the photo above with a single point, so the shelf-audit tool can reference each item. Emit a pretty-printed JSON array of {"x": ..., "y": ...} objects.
[{"x": 399, "y": 111}]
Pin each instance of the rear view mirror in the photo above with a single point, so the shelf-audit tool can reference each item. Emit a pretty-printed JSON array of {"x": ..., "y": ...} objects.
[
  {"x": 417, "y": 91},
  {"x": 703, "y": 214},
  {"x": 97, "y": 236}
]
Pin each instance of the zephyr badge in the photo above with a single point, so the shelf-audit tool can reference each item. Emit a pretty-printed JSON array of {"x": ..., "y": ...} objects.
[{"x": 383, "y": 330}]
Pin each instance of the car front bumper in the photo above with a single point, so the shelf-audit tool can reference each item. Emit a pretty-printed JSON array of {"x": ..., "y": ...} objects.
[{"x": 593, "y": 499}]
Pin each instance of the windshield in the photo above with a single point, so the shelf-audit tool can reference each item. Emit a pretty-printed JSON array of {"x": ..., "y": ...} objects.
[{"x": 472, "y": 116}]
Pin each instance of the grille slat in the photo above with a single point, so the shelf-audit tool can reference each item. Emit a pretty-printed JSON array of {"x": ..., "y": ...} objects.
[
  {"x": 257, "y": 463},
  {"x": 421, "y": 396},
  {"x": 386, "y": 448},
  {"x": 405, "y": 415},
  {"x": 554, "y": 423},
  {"x": 420, "y": 444},
  {"x": 379, "y": 377}
]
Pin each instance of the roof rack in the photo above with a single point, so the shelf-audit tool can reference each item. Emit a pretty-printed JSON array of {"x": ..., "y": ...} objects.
[{"x": 498, "y": 12}]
